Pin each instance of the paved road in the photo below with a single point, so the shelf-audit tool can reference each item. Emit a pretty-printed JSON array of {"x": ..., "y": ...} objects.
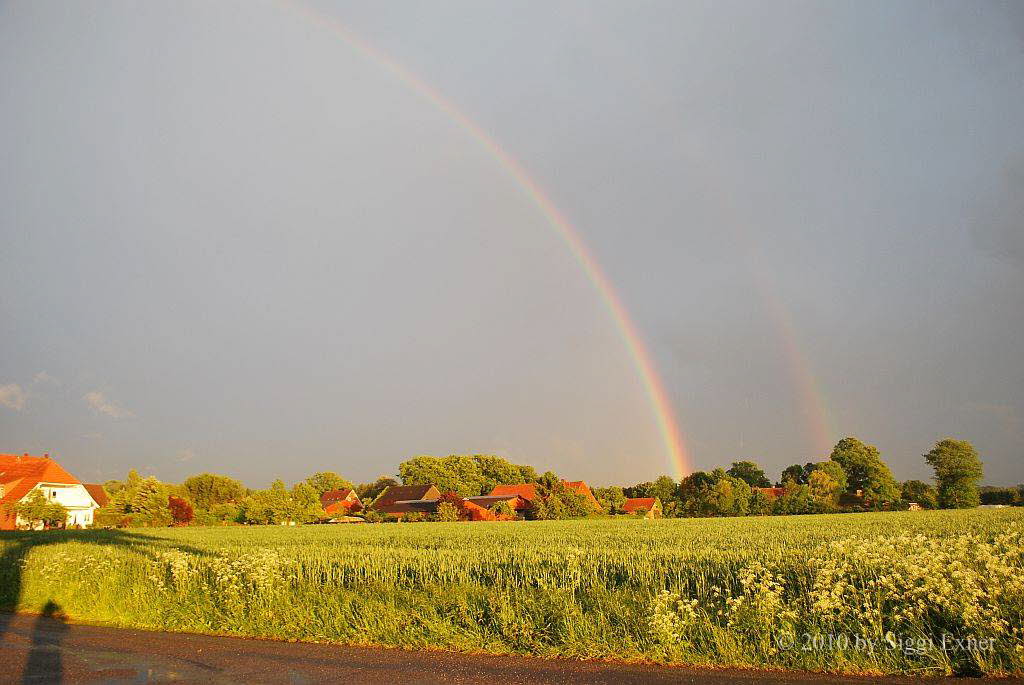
[{"x": 39, "y": 649}]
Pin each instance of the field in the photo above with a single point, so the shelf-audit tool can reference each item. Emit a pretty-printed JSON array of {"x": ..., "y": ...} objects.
[{"x": 909, "y": 592}]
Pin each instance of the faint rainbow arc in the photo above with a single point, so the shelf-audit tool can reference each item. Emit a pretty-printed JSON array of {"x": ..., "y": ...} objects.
[{"x": 642, "y": 360}]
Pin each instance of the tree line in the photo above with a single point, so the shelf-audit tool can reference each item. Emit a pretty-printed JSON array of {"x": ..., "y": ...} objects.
[{"x": 853, "y": 478}]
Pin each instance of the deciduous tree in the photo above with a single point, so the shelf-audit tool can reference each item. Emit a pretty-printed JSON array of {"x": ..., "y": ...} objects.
[
  {"x": 865, "y": 471},
  {"x": 325, "y": 481},
  {"x": 919, "y": 492},
  {"x": 750, "y": 473},
  {"x": 957, "y": 472}
]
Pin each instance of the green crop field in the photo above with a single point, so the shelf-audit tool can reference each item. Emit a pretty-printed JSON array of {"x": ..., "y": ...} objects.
[{"x": 910, "y": 592}]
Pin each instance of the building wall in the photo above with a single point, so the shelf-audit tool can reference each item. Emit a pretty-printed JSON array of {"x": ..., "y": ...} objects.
[{"x": 75, "y": 498}]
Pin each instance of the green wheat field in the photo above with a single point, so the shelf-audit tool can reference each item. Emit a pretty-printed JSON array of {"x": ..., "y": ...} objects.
[{"x": 937, "y": 592}]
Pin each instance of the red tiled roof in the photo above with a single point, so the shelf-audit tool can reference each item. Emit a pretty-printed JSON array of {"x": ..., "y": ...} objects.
[
  {"x": 21, "y": 473},
  {"x": 98, "y": 494},
  {"x": 343, "y": 507},
  {"x": 633, "y": 504},
  {"x": 526, "y": 491},
  {"x": 336, "y": 496},
  {"x": 772, "y": 492}
]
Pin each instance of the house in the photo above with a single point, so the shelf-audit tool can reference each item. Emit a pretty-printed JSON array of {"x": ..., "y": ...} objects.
[
  {"x": 485, "y": 502},
  {"x": 525, "y": 494},
  {"x": 22, "y": 474},
  {"x": 581, "y": 488},
  {"x": 476, "y": 512},
  {"x": 98, "y": 494},
  {"x": 401, "y": 500},
  {"x": 772, "y": 492},
  {"x": 649, "y": 507},
  {"x": 340, "y": 502}
]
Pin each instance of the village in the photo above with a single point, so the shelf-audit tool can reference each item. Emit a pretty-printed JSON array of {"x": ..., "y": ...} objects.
[{"x": 37, "y": 492}]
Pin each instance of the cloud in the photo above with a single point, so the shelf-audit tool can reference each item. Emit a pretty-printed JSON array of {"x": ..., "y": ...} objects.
[
  {"x": 102, "y": 405},
  {"x": 93, "y": 436},
  {"x": 186, "y": 455},
  {"x": 12, "y": 396}
]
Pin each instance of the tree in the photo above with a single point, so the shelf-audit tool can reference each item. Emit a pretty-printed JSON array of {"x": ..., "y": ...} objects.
[
  {"x": 181, "y": 511},
  {"x": 795, "y": 473},
  {"x": 538, "y": 510},
  {"x": 795, "y": 499},
  {"x": 573, "y": 505},
  {"x": 760, "y": 503},
  {"x": 495, "y": 470},
  {"x": 865, "y": 471},
  {"x": 456, "y": 473},
  {"x": 306, "y": 507},
  {"x": 207, "y": 490},
  {"x": 149, "y": 505},
  {"x": 271, "y": 506},
  {"x": 729, "y": 496},
  {"x": 645, "y": 489},
  {"x": 447, "y": 512},
  {"x": 714, "y": 494},
  {"x": 920, "y": 492},
  {"x": 750, "y": 473},
  {"x": 957, "y": 472},
  {"x": 503, "y": 511},
  {"x": 549, "y": 481},
  {"x": 611, "y": 499},
  {"x": 994, "y": 495},
  {"x": 824, "y": 490},
  {"x": 325, "y": 481},
  {"x": 38, "y": 511},
  {"x": 836, "y": 471},
  {"x": 368, "y": 492},
  {"x": 693, "y": 491},
  {"x": 664, "y": 488}
]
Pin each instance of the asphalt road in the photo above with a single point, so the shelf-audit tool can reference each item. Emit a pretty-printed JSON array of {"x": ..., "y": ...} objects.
[{"x": 39, "y": 649}]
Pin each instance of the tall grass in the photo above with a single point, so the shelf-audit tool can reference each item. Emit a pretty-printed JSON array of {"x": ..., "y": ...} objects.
[{"x": 808, "y": 592}]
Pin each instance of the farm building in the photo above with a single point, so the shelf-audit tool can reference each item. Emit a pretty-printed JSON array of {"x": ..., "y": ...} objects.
[
  {"x": 772, "y": 492},
  {"x": 401, "y": 500},
  {"x": 581, "y": 488},
  {"x": 525, "y": 494},
  {"x": 650, "y": 507},
  {"x": 98, "y": 494},
  {"x": 340, "y": 502},
  {"x": 21, "y": 475},
  {"x": 485, "y": 502}
]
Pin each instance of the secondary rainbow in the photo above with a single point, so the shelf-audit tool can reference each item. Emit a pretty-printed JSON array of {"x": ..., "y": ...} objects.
[{"x": 642, "y": 360}]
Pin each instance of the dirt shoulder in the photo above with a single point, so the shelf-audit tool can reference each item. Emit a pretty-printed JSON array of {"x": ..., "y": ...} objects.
[{"x": 42, "y": 649}]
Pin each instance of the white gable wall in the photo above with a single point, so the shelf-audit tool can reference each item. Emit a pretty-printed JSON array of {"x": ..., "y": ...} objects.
[{"x": 75, "y": 498}]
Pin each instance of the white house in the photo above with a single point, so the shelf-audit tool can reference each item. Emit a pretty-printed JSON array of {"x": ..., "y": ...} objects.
[{"x": 21, "y": 475}]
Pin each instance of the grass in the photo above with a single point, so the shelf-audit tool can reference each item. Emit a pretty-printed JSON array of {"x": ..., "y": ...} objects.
[{"x": 781, "y": 592}]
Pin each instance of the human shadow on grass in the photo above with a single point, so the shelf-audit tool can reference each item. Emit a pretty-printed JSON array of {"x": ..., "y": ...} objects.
[{"x": 45, "y": 662}]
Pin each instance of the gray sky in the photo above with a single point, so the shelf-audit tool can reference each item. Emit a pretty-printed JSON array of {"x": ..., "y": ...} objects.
[{"x": 231, "y": 241}]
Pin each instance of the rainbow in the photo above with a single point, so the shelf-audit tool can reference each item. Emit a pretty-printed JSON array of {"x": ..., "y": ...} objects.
[{"x": 679, "y": 459}]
